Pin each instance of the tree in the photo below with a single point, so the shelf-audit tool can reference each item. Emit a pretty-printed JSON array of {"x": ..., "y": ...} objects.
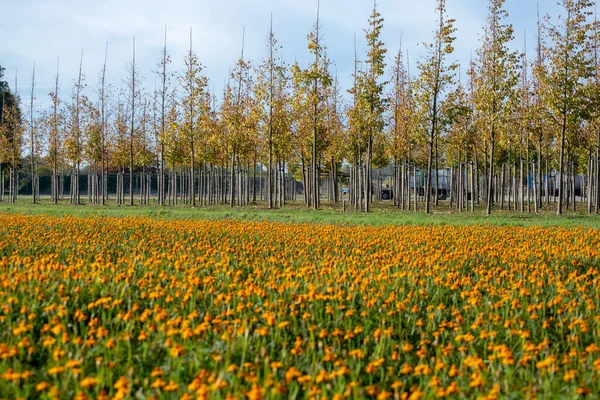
[
  {"x": 402, "y": 123},
  {"x": 357, "y": 124},
  {"x": 55, "y": 134},
  {"x": 569, "y": 66},
  {"x": 541, "y": 124},
  {"x": 134, "y": 98},
  {"x": 7, "y": 98},
  {"x": 11, "y": 134},
  {"x": 269, "y": 76},
  {"x": 33, "y": 150},
  {"x": 145, "y": 151},
  {"x": 103, "y": 117},
  {"x": 194, "y": 92},
  {"x": 240, "y": 118},
  {"x": 457, "y": 115},
  {"x": 74, "y": 140},
  {"x": 525, "y": 118},
  {"x": 336, "y": 137},
  {"x": 163, "y": 111},
  {"x": 496, "y": 79},
  {"x": 93, "y": 146},
  {"x": 301, "y": 126},
  {"x": 373, "y": 87},
  {"x": 594, "y": 91},
  {"x": 119, "y": 147},
  {"x": 318, "y": 78},
  {"x": 282, "y": 131},
  {"x": 436, "y": 76}
]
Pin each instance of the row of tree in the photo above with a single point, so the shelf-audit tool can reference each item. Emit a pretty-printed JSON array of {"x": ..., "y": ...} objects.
[{"x": 504, "y": 132}]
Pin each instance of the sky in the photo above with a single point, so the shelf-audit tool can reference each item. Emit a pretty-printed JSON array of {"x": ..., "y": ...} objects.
[{"x": 42, "y": 31}]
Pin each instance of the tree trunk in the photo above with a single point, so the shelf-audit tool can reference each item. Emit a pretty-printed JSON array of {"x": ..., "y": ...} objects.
[
  {"x": 415, "y": 187},
  {"x": 232, "y": 183},
  {"x": 502, "y": 186},
  {"x": 472, "y": 189},
  {"x": 477, "y": 191},
  {"x": 428, "y": 177},
  {"x": 436, "y": 174},
  {"x": 559, "y": 208},
  {"x": 491, "y": 173}
]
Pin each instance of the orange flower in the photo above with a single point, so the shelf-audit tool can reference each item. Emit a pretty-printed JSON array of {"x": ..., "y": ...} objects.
[{"x": 87, "y": 382}]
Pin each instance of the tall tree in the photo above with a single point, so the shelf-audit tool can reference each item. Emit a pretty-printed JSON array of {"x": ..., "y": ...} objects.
[
  {"x": 374, "y": 98},
  {"x": 594, "y": 86},
  {"x": 120, "y": 147},
  {"x": 336, "y": 137},
  {"x": 74, "y": 142},
  {"x": 496, "y": 79},
  {"x": 301, "y": 126},
  {"x": 134, "y": 95},
  {"x": 194, "y": 92},
  {"x": 93, "y": 146},
  {"x": 163, "y": 111},
  {"x": 525, "y": 118},
  {"x": 7, "y": 97},
  {"x": 103, "y": 117},
  {"x": 270, "y": 73},
  {"x": 11, "y": 133},
  {"x": 436, "y": 75},
  {"x": 569, "y": 66},
  {"x": 32, "y": 137},
  {"x": 317, "y": 77},
  {"x": 238, "y": 113},
  {"x": 402, "y": 124},
  {"x": 357, "y": 124},
  {"x": 55, "y": 135},
  {"x": 457, "y": 115},
  {"x": 541, "y": 128}
]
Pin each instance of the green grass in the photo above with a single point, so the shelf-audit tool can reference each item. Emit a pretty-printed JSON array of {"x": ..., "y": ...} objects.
[{"x": 382, "y": 214}]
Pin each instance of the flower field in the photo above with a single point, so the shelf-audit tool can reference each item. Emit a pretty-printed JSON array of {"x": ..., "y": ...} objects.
[{"x": 139, "y": 307}]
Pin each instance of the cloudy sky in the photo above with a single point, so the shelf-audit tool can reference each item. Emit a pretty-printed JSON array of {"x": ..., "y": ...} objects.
[{"x": 41, "y": 30}]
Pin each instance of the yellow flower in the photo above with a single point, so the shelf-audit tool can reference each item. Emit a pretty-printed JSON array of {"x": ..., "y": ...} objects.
[
  {"x": 122, "y": 383},
  {"x": 158, "y": 383},
  {"x": 282, "y": 324},
  {"x": 56, "y": 370},
  {"x": 73, "y": 363},
  {"x": 406, "y": 369},
  {"x": 545, "y": 363},
  {"x": 569, "y": 375},
  {"x": 87, "y": 382}
]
